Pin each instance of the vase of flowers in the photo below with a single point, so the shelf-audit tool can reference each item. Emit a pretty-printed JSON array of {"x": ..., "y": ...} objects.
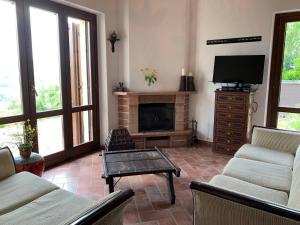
[
  {"x": 24, "y": 141},
  {"x": 150, "y": 75}
]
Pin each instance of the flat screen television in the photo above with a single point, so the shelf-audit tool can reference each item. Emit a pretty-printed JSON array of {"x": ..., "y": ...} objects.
[{"x": 245, "y": 69}]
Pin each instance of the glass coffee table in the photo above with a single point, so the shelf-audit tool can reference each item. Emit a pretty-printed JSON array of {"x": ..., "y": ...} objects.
[{"x": 138, "y": 162}]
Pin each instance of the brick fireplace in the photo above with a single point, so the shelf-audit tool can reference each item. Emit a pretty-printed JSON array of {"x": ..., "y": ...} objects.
[{"x": 155, "y": 118}]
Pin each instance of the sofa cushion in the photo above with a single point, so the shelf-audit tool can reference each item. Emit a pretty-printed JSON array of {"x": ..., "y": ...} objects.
[
  {"x": 281, "y": 140},
  {"x": 261, "y": 173},
  {"x": 253, "y": 190},
  {"x": 294, "y": 199},
  {"x": 262, "y": 154},
  {"x": 58, "y": 207},
  {"x": 21, "y": 188}
]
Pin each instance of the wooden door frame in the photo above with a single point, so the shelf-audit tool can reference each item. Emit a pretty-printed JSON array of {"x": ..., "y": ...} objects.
[{"x": 276, "y": 67}]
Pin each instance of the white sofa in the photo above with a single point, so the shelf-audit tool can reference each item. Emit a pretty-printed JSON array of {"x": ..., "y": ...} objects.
[
  {"x": 260, "y": 185},
  {"x": 30, "y": 200}
]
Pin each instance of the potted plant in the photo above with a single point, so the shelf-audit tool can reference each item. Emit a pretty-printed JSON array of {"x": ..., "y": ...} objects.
[
  {"x": 150, "y": 75},
  {"x": 24, "y": 141}
]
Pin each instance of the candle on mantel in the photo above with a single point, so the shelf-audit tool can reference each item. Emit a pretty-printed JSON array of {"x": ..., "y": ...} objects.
[
  {"x": 190, "y": 82},
  {"x": 182, "y": 72}
]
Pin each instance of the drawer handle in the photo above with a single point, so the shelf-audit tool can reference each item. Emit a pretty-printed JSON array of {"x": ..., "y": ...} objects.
[
  {"x": 228, "y": 141},
  {"x": 229, "y": 116},
  {"x": 230, "y": 98},
  {"x": 229, "y": 124},
  {"x": 230, "y": 107},
  {"x": 228, "y": 133},
  {"x": 227, "y": 149}
]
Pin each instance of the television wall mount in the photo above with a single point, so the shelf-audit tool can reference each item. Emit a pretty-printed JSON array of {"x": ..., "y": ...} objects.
[{"x": 234, "y": 40}]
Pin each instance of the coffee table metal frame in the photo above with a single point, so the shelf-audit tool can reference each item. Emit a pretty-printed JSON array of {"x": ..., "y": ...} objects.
[{"x": 109, "y": 177}]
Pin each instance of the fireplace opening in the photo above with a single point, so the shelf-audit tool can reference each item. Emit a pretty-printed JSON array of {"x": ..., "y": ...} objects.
[{"x": 156, "y": 117}]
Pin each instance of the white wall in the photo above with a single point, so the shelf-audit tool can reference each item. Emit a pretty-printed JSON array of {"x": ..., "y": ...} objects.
[
  {"x": 157, "y": 39},
  {"x": 226, "y": 19}
]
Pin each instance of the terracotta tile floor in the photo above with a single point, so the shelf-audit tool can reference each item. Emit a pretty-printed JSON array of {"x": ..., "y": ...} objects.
[{"x": 150, "y": 205}]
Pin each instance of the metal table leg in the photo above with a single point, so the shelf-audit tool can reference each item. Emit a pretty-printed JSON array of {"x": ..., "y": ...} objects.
[{"x": 172, "y": 196}]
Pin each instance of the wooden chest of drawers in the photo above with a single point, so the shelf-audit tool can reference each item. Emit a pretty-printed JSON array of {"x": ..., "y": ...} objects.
[{"x": 233, "y": 120}]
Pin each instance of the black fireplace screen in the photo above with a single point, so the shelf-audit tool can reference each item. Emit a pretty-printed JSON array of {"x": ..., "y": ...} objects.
[{"x": 156, "y": 117}]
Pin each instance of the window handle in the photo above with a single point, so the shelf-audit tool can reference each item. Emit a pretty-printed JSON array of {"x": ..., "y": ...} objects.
[{"x": 33, "y": 90}]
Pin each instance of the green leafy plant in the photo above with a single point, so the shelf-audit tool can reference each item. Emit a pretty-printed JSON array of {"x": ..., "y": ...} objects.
[
  {"x": 24, "y": 140},
  {"x": 150, "y": 75},
  {"x": 289, "y": 121},
  {"x": 294, "y": 73},
  {"x": 48, "y": 98}
]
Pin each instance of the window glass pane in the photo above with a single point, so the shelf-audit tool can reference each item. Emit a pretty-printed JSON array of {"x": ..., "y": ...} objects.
[
  {"x": 8, "y": 133},
  {"x": 290, "y": 84},
  {"x": 80, "y": 62},
  {"x": 82, "y": 127},
  {"x": 46, "y": 59},
  {"x": 50, "y": 135},
  {"x": 289, "y": 121},
  {"x": 10, "y": 88}
]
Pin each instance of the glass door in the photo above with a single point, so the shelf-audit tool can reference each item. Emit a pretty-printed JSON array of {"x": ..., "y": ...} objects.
[
  {"x": 13, "y": 89},
  {"x": 83, "y": 89},
  {"x": 63, "y": 69},
  {"x": 48, "y": 74},
  {"x": 81, "y": 80},
  {"x": 47, "y": 85},
  {"x": 284, "y": 98}
]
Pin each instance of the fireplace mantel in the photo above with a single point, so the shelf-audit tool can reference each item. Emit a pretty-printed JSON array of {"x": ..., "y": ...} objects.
[
  {"x": 128, "y": 107},
  {"x": 153, "y": 93}
]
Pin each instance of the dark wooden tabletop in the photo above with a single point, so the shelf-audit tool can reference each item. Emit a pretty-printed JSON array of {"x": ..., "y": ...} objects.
[{"x": 134, "y": 162}]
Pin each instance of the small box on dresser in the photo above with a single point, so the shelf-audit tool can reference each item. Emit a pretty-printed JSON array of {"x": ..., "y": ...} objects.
[{"x": 233, "y": 120}]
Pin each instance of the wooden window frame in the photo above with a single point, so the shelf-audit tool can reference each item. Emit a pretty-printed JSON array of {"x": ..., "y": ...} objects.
[{"x": 276, "y": 68}]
